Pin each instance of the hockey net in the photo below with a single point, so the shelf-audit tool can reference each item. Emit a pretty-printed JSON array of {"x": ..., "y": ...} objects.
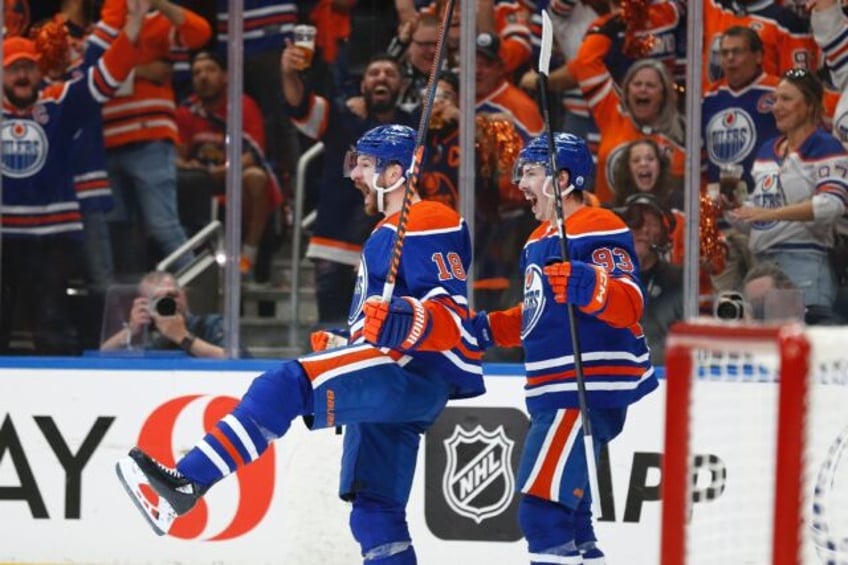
[{"x": 755, "y": 469}]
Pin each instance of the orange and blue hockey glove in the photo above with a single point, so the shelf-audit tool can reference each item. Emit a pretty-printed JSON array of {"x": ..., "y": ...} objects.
[
  {"x": 578, "y": 283},
  {"x": 402, "y": 323}
]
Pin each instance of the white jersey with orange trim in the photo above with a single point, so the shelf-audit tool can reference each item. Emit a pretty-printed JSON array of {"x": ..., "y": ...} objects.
[{"x": 818, "y": 169}]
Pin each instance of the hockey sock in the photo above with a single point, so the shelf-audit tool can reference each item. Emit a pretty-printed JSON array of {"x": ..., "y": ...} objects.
[
  {"x": 583, "y": 529},
  {"x": 265, "y": 413}
]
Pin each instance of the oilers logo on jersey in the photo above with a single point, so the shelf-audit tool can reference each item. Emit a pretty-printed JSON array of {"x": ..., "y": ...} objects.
[
  {"x": 359, "y": 292},
  {"x": 771, "y": 197},
  {"x": 478, "y": 482},
  {"x": 840, "y": 128},
  {"x": 25, "y": 147},
  {"x": 534, "y": 299},
  {"x": 731, "y": 136}
]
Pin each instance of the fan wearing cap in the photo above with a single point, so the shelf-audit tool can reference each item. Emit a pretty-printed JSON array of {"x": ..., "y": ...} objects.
[
  {"x": 41, "y": 220},
  {"x": 600, "y": 283},
  {"x": 652, "y": 226}
]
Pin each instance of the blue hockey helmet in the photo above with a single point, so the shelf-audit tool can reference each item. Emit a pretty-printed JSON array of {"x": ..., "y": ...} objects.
[
  {"x": 572, "y": 155},
  {"x": 390, "y": 143}
]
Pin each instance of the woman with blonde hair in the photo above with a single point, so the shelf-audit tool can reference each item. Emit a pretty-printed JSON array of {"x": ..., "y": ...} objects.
[
  {"x": 646, "y": 107},
  {"x": 800, "y": 191}
]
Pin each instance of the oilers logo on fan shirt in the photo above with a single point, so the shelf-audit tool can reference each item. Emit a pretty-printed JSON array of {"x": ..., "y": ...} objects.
[
  {"x": 731, "y": 136},
  {"x": 771, "y": 197},
  {"x": 25, "y": 147},
  {"x": 840, "y": 128},
  {"x": 534, "y": 299},
  {"x": 359, "y": 293}
]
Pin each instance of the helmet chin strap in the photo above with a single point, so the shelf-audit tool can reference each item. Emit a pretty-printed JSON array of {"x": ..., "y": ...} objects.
[
  {"x": 381, "y": 191},
  {"x": 548, "y": 188}
]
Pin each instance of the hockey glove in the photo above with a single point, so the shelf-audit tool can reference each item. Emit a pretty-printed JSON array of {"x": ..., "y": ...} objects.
[
  {"x": 327, "y": 339},
  {"x": 578, "y": 283},
  {"x": 402, "y": 323},
  {"x": 482, "y": 330}
]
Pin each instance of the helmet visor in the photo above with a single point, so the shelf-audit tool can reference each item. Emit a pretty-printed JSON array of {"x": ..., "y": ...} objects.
[
  {"x": 521, "y": 165},
  {"x": 349, "y": 163}
]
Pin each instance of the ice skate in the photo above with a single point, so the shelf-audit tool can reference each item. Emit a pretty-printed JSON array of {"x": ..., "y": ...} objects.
[{"x": 177, "y": 494}]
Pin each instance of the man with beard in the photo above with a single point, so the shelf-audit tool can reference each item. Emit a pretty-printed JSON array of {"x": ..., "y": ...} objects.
[
  {"x": 201, "y": 153},
  {"x": 41, "y": 220},
  {"x": 405, "y": 359},
  {"x": 341, "y": 226}
]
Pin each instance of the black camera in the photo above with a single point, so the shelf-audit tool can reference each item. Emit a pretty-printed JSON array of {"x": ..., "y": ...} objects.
[
  {"x": 730, "y": 305},
  {"x": 164, "y": 306}
]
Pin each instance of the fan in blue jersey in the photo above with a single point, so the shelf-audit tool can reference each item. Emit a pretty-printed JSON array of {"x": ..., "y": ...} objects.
[
  {"x": 601, "y": 283},
  {"x": 403, "y": 360}
]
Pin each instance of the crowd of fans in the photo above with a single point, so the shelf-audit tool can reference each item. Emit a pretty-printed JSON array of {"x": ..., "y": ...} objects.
[{"x": 775, "y": 110}]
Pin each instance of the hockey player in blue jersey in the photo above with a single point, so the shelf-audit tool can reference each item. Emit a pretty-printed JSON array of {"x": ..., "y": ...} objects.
[
  {"x": 404, "y": 359},
  {"x": 601, "y": 282}
]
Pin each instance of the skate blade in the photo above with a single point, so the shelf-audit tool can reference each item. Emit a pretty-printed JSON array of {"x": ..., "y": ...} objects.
[{"x": 160, "y": 517}]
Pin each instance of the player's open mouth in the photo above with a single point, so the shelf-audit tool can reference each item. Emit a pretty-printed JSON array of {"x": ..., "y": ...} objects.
[{"x": 381, "y": 90}]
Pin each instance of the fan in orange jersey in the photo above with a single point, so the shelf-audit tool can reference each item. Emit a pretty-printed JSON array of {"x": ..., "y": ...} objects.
[
  {"x": 647, "y": 107},
  {"x": 787, "y": 38},
  {"x": 140, "y": 130}
]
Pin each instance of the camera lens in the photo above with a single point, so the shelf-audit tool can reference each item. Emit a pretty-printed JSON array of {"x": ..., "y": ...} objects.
[
  {"x": 727, "y": 311},
  {"x": 165, "y": 306}
]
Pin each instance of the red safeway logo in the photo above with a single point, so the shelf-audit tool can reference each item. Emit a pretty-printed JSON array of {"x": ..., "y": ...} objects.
[{"x": 255, "y": 481}]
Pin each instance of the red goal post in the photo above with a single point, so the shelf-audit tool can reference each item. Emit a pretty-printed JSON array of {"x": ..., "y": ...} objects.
[{"x": 759, "y": 414}]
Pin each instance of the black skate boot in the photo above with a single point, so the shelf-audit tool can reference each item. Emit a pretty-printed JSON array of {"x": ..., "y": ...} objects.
[{"x": 177, "y": 494}]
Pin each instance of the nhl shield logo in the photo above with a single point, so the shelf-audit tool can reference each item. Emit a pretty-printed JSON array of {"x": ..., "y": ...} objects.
[{"x": 478, "y": 482}]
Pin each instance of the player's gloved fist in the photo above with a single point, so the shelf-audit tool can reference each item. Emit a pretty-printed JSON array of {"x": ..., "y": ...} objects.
[
  {"x": 326, "y": 339},
  {"x": 401, "y": 323},
  {"x": 481, "y": 329},
  {"x": 578, "y": 283}
]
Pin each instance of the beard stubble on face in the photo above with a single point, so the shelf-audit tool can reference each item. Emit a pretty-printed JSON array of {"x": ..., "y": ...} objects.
[{"x": 20, "y": 101}]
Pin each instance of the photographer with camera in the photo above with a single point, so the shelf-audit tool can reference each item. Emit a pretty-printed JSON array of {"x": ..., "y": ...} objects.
[{"x": 159, "y": 318}]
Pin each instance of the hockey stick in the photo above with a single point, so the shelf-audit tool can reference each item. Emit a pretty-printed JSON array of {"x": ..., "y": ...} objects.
[
  {"x": 544, "y": 70},
  {"x": 420, "y": 140}
]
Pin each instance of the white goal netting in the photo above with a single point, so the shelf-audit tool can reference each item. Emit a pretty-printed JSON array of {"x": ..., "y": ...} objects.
[{"x": 735, "y": 412}]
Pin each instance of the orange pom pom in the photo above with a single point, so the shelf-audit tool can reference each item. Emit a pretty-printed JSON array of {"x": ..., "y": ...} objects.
[
  {"x": 635, "y": 13},
  {"x": 52, "y": 41}
]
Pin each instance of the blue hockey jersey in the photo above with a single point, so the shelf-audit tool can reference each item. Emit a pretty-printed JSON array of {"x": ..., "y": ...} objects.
[
  {"x": 616, "y": 360},
  {"x": 735, "y": 124},
  {"x": 38, "y": 182},
  {"x": 436, "y": 257}
]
